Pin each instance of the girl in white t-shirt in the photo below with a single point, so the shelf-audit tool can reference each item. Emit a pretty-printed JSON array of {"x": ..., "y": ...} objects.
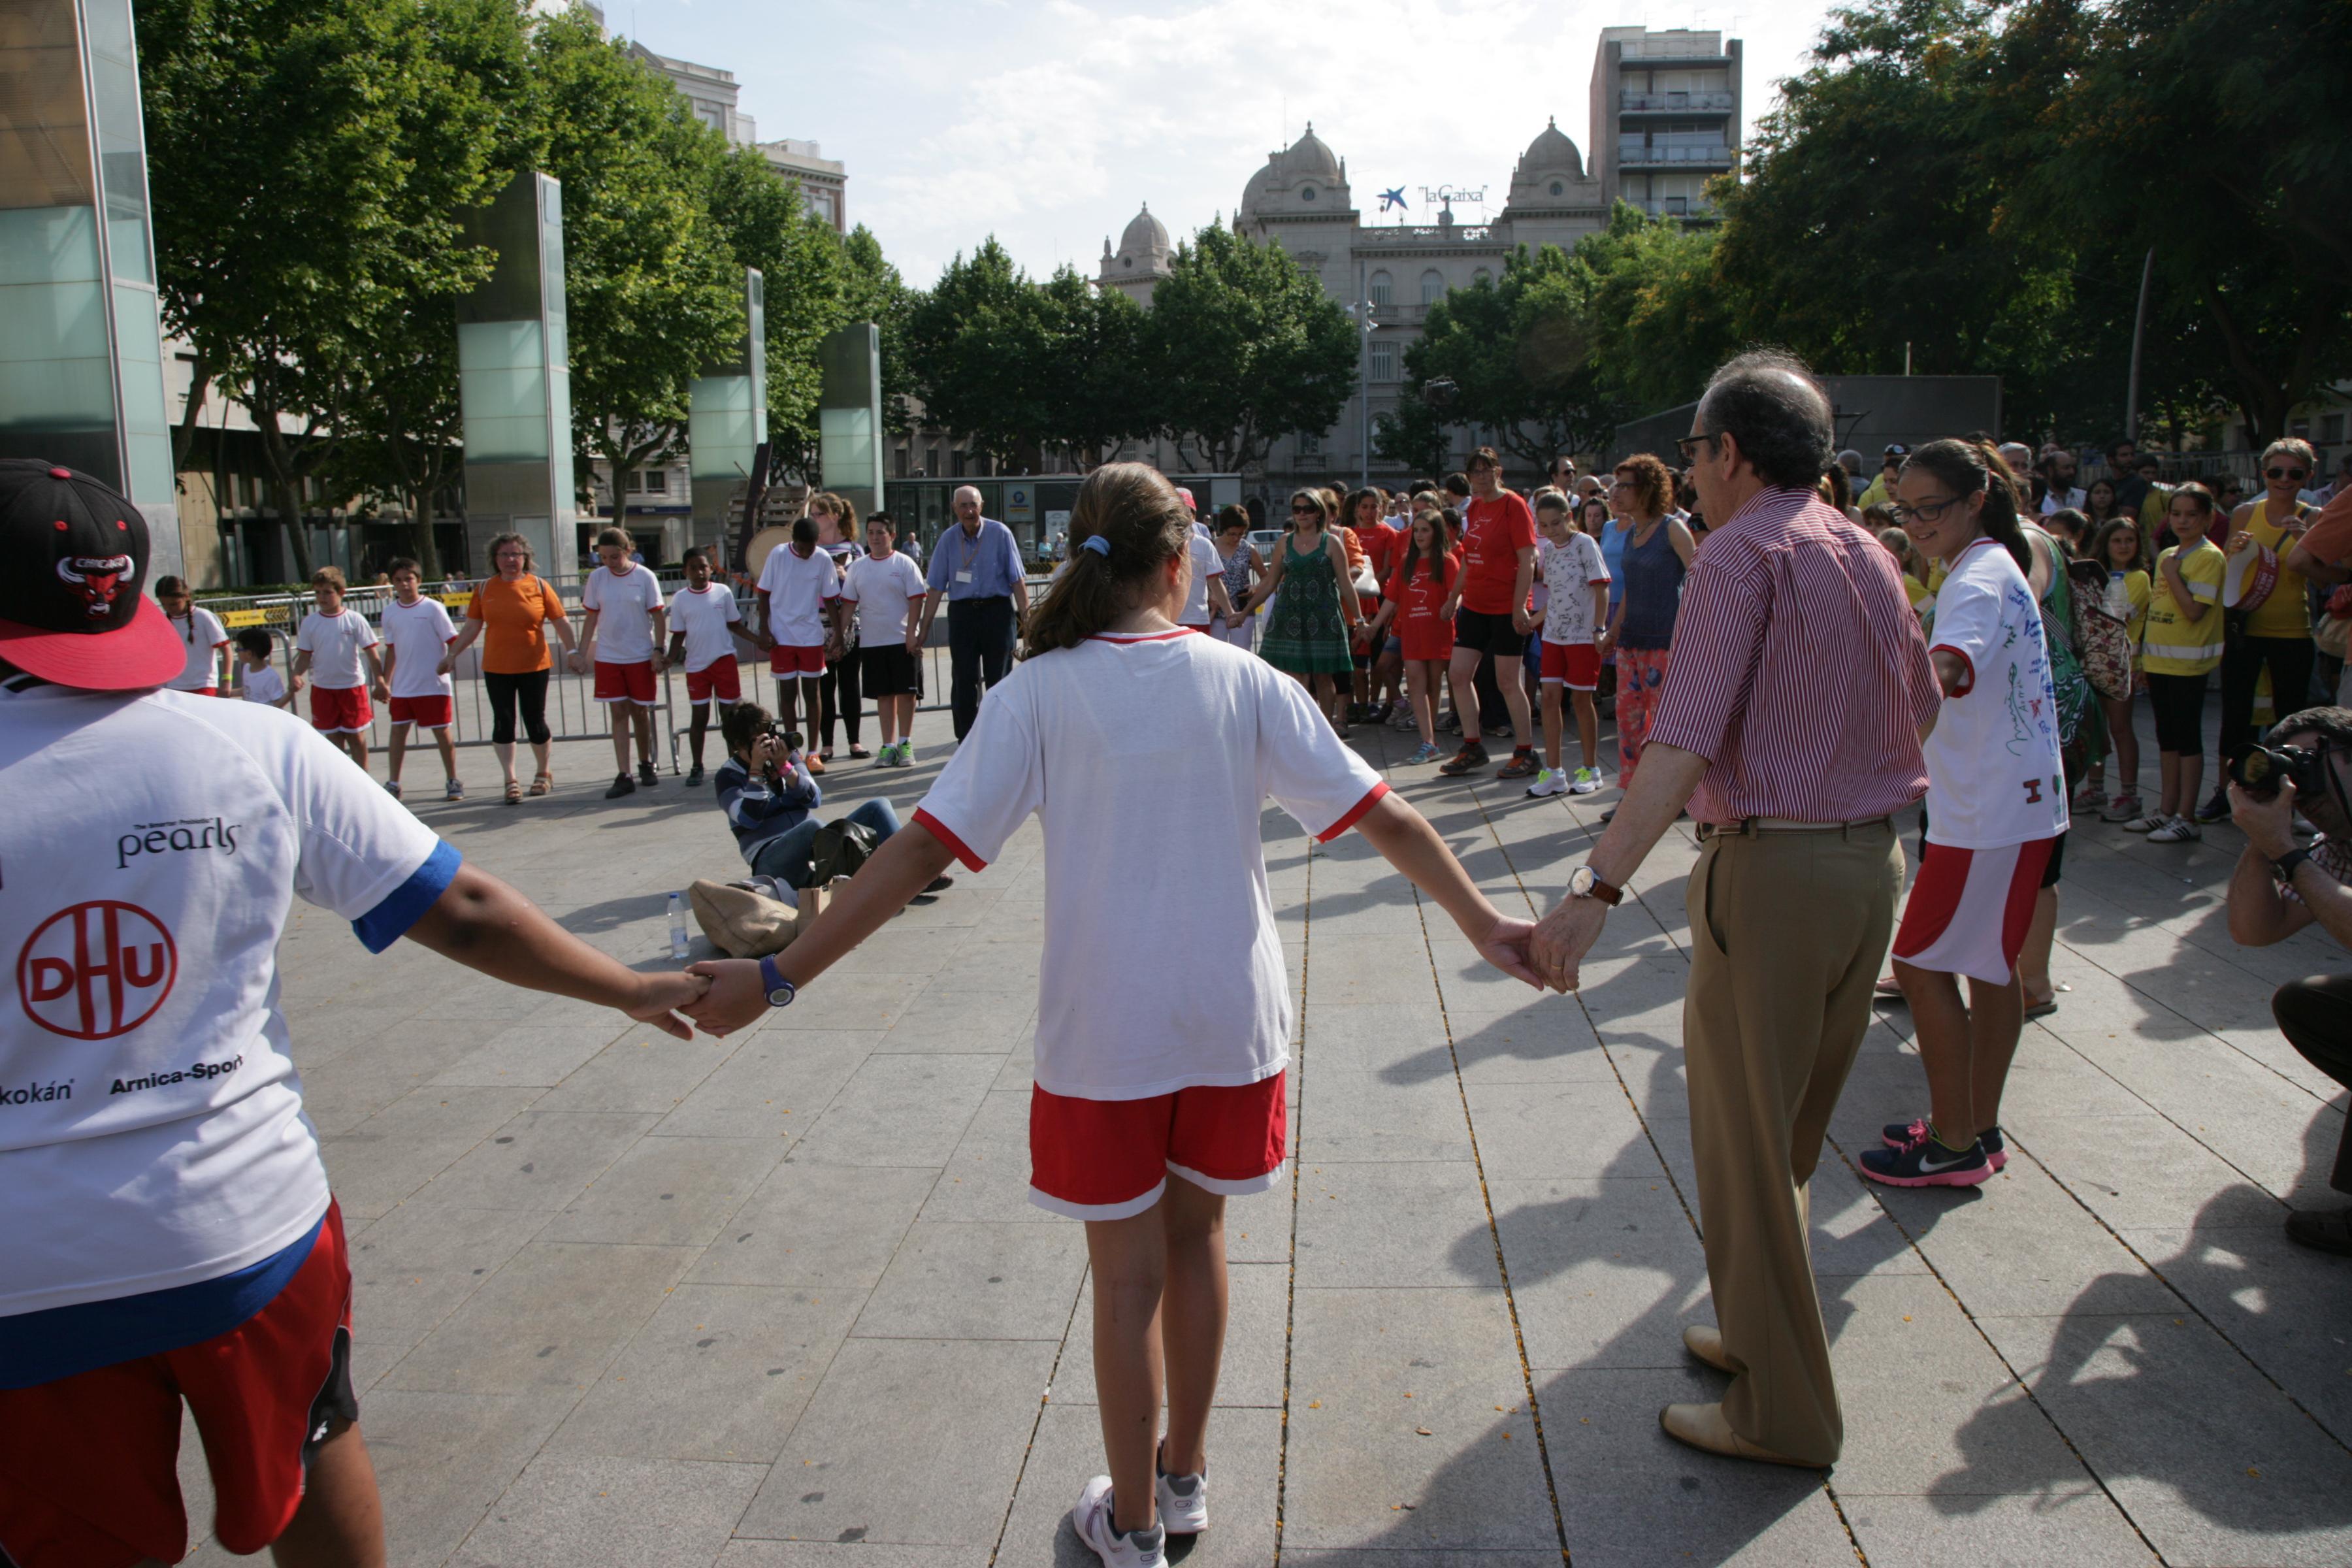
[
  {"x": 1996, "y": 813},
  {"x": 1145, "y": 752},
  {"x": 201, "y": 630}
]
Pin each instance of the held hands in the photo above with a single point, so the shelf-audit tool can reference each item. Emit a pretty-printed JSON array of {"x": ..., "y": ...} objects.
[
  {"x": 447, "y": 663},
  {"x": 667, "y": 995},
  {"x": 1562, "y": 938},
  {"x": 1522, "y": 622},
  {"x": 661, "y": 661},
  {"x": 2268, "y": 825},
  {"x": 731, "y": 993},
  {"x": 576, "y": 662},
  {"x": 1504, "y": 945},
  {"x": 382, "y": 690}
]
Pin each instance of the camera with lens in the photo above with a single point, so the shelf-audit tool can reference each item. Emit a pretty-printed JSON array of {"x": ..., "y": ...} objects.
[
  {"x": 789, "y": 740},
  {"x": 2260, "y": 770}
]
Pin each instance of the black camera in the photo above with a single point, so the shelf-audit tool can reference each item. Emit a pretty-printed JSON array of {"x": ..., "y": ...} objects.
[
  {"x": 2259, "y": 770},
  {"x": 789, "y": 740}
]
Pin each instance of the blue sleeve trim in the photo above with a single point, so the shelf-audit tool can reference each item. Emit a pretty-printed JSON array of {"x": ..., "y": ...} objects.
[{"x": 405, "y": 905}]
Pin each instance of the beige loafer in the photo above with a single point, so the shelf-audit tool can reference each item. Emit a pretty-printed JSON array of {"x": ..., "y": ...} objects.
[
  {"x": 1703, "y": 1426},
  {"x": 1704, "y": 1341}
]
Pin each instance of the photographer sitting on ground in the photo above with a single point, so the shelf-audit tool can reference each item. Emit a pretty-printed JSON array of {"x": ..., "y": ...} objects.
[
  {"x": 2280, "y": 888},
  {"x": 771, "y": 800}
]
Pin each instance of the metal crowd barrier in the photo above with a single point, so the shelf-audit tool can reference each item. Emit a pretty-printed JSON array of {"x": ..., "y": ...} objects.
[{"x": 572, "y": 712}]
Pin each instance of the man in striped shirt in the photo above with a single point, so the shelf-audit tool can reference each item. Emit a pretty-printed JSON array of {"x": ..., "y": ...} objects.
[{"x": 1790, "y": 723}]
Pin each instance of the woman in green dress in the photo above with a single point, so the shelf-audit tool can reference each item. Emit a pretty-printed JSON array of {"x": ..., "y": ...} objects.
[{"x": 1306, "y": 634}]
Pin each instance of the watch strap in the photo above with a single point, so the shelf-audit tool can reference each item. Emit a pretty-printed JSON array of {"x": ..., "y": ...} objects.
[
  {"x": 2283, "y": 867},
  {"x": 1600, "y": 889},
  {"x": 772, "y": 980}
]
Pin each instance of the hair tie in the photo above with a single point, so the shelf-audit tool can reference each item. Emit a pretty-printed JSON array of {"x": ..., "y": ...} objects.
[{"x": 1097, "y": 543}]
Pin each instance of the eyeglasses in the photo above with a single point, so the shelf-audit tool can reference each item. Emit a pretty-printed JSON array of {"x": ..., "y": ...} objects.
[
  {"x": 1685, "y": 444},
  {"x": 1302, "y": 510},
  {"x": 2286, "y": 473},
  {"x": 1929, "y": 513},
  {"x": 1621, "y": 484}
]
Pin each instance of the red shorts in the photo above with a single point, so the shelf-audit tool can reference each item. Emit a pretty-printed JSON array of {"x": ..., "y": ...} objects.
[
  {"x": 88, "y": 1464},
  {"x": 424, "y": 712},
  {"x": 1968, "y": 908},
  {"x": 1575, "y": 664},
  {"x": 340, "y": 709},
  {"x": 786, "y": 660},
  {"x": 721, "y": 680},
  {"x": 626, "y": 683},
  {"x": 1109, "y": 1159}
]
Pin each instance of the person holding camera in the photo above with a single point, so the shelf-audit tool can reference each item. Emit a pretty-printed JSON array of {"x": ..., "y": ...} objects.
[
  {"x": 771, "y": 800},
  {"x": 2281, "y": 886}
]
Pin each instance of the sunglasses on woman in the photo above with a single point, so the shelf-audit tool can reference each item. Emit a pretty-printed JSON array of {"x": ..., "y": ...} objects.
[{"x": 2286, "y": 473}]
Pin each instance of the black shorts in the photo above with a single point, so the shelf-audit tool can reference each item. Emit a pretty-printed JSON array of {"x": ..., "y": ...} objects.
[
  {"x": 888, "y": 670},
  {"x": 2056, "y": 862},
  {"x": 1492, "y": 634},
  {"x": 2179, "y": 701}
]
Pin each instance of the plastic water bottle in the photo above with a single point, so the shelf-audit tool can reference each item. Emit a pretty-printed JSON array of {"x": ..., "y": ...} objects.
[{"x": 677, "y": 926}]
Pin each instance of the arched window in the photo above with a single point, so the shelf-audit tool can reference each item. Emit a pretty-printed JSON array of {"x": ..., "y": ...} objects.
[
  {"x": 1383, "y": 290},
  {"x": 1305, "y": 193},
  {"x": 1557, "y": 188},
  {"x": 1432, "y": 287}
]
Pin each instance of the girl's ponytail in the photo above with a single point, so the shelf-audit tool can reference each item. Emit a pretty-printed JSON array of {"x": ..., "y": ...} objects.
[{"x": 1124, "y": 526}]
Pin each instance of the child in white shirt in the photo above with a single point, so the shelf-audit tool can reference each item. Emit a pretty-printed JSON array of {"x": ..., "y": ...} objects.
[
  {"x": 1575, "y": 609},
  {"x": 417, "y": 632},
  {"x": 1156, "y": 1097},
  {"x": 338, "y": 644},
  {"x": 260, "y": 681}
]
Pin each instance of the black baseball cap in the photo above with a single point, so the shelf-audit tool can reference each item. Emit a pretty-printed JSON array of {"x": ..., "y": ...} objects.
[{"x": 73, "y": 561}]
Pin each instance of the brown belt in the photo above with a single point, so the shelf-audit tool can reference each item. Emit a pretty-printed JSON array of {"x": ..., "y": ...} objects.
[{"x": 1749, "y": 827}]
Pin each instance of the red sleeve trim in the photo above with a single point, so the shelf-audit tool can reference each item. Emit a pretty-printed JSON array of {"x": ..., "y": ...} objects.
[
  {"x": 1968, "y": 664},
  {"x": 1355, "y": 813},
  {"x": 938, "y": 830}
]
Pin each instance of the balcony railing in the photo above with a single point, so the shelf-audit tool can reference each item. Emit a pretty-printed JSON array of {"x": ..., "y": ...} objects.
[
  {"x": 1693, "y": 102},
  {"x": 1675, "y": 207},
  {"x": 1637, "y": 157},
  {"x": 1422, "y": 233}
]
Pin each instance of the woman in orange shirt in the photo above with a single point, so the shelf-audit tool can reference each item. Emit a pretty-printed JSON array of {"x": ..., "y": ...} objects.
[{"x": 516, "y": 608}]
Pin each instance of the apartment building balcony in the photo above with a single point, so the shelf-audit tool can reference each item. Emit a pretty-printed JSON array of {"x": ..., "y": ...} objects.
[
  {"x": 1630, "y": 157},
  {"x": 1630, "y": 101}
]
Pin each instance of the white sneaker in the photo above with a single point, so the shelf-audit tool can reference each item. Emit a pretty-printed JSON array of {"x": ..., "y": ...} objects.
[
  {"x": 1184, "y": 1503},
  {"x": 2148, "y": 824},
  {"x": 905, "y": 754},
  {"x": 2179, "y": 830},
  {"x": 1587, "y": 782},
  {"x": 1549, "y": 780},
  {"x": 1135, "y": 1549}
]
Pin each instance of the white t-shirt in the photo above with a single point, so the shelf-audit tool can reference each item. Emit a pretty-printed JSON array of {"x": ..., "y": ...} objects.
[
  {"x": 798, "y": 590},
  {"x": 1570, "y": 571},
  {"x": 205, "y": 637},
  {"x": 624, "y": 606},
  {"x": 1206, "y": 563},
  {"x": 1147, "y": 761},
  {"x": 419, "y": 634},
  {"x": 152, "y": 1131},
  {"x": 1993, "y": 773},
  {"x": 703, "y": 615},
  {"x": 335, "y": 643},
  {"x": 265, "y": 685},
  {"x": 881, "y": 587}
]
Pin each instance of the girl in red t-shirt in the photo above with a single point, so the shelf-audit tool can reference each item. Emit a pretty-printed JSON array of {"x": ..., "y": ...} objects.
[{"x": 1414, "y": 595}]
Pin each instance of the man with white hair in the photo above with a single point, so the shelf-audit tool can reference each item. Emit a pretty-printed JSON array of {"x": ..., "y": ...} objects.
[{"x": 976, "y": 568}]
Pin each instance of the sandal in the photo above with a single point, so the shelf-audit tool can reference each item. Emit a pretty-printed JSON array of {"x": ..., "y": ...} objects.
[
  {"x": 514, "y": 791},
  {"x": 542, "y": 783}
]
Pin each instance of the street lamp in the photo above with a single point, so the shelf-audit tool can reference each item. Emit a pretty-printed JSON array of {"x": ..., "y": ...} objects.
[{"x": 1365, "y": 327}]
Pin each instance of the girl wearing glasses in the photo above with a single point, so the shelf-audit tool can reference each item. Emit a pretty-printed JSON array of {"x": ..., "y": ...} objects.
[
  {"x": 2277, "y": 632},
  {"x": 1314, "y": 597}
]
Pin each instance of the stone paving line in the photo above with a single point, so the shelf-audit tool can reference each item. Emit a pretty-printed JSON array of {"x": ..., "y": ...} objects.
[{"x": 778, "y": 1300}]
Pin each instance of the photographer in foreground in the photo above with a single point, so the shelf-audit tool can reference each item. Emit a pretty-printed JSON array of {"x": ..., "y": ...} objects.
[
  {"x": 2280, "y": 887},
  {"x": 770, "y": 799}
]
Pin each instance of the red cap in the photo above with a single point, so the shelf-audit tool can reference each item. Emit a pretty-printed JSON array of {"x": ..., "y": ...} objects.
[{"x": 73, "y": 559}]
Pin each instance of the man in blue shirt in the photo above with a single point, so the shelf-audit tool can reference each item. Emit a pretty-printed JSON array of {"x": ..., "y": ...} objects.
[{"x": 976, "y": 567}]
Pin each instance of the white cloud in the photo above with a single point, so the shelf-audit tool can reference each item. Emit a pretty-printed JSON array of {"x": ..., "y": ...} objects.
[{"x": 1048, "y": 123}]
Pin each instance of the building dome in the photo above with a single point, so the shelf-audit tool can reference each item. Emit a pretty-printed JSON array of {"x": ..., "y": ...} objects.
[
  {"x": 1305, "y": 178},
  {"x": 1145, "y": 237},
  {"x": 1550, "y": 161}
]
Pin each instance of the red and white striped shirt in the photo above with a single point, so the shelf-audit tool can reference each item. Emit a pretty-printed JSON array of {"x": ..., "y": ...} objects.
[{"x": 1799, "y": 670}]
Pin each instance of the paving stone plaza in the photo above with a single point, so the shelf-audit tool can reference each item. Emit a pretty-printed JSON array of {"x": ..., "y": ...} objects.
[{"x": 778, "y": 1301}]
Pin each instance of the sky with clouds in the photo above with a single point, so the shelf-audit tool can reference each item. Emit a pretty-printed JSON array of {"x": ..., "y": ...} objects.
[{"x": 1048, "y": 122}]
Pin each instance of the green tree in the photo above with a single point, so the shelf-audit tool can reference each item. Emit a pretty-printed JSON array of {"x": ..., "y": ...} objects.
[
  {"x": 971, "y": 345},
  {"x": 1658, "y": 320},
  {"x": 1246, "y": 349},
  {"x": 1415, "y": 436},
  {"x": 1087, "y": 362},
  {"x": 309, "y": 168},
  {"x": 652, "y": 291},
  {"x": 2241, "y": 104},
  {"x": 1519, "y": 352}
]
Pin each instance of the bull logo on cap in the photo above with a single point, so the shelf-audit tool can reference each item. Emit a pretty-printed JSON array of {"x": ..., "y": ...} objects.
[{"x": 97, "y": 578}]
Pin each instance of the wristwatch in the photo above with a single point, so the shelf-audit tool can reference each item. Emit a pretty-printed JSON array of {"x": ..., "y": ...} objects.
[
  {"x": 1584, "y": 882},
  {"x": 2283, "y": 867},
  {"x": 780, "y": 990}
]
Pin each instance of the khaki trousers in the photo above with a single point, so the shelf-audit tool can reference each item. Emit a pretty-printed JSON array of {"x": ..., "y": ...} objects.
[{"x": 1787, "y": 930}]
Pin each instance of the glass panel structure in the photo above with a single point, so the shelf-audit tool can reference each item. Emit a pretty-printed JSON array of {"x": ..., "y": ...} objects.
[
  {"x": 81, "y": 359},
  {"x": 727, "y": 420},
  {"x": 849, "y": 415},
  {"x": 514, "y": 379}
]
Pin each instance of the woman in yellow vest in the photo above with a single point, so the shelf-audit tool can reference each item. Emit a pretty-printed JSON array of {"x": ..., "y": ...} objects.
[
  {"x": 2277, "y": 634},
  {"x": 2183, "y": 645}
]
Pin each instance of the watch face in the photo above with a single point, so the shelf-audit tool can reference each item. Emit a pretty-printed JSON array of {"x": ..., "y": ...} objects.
[{"x": 1581, "y": 881}]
